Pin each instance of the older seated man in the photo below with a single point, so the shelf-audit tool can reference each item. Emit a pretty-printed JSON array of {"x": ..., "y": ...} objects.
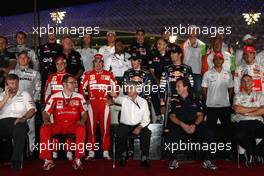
[{"x": 134, "y": 120}]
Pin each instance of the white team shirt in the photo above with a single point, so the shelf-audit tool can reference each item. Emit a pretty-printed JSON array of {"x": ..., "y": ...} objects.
[
  {"x": 255, "y": 99},
  {"x": 133, "y": 112},
  {"x": 118, "y": 64},
  {"x": 260, "y": 58},
  {"x": 106, "y": 51},
  {"x": 193, "y": 55},
  {"x": 254, "y": 70},
  {"x": 87, "y": 57},
  {"x": 17, "y": 106},
  {"x": 217, "y": 84}
]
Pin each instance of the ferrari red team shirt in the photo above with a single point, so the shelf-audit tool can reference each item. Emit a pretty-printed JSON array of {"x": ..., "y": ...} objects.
[{"x": 64, "y": 108}]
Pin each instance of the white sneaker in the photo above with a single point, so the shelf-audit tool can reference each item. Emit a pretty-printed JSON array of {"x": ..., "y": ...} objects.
[
  {"x": 90, "y": 155},
  {"x": 48, "y": 165},
  {"x": 69, "y": 156},
  {"x": 106, "y": 155},
  {"x": 54, "y": 155},
  {"x": 77, "y": 164}
]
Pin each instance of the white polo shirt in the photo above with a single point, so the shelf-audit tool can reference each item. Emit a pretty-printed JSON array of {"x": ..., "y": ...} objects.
[
  {"x": 17, "y": 106},
  {"x": 255, "y": 99},
  {"x": 118, "y": 64},
  {"x": 133, "y": 112},
  {"x": 106, "y": 51},
  {"x": 87, "y": 57},
  {"x": 217, "y": 84}
]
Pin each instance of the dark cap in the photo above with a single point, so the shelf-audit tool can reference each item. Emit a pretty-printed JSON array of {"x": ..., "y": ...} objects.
[{"x": 175, "y": 49}]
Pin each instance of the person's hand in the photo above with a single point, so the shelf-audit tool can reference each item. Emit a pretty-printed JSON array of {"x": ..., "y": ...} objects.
[
  {"x": 137, "y": 131},
  {"x": 186, "y": 128},
  {"x": 7, "y": 91},
  {"x": 19, "y": 120},
  {"x": 163, "y": 109},
  {"x": 80, "y": 123},
  {"x": 46, "y": 122},
  {"x": 192, "y": 128}
]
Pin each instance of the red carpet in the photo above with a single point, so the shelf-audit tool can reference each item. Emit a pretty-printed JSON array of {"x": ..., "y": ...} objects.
[{"x": 133, "y": 168}]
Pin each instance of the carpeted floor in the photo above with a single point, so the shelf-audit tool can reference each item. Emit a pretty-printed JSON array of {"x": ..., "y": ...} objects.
[{"x": 158, "y": 168}]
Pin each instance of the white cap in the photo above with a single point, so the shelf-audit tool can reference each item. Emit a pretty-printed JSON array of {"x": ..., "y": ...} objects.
[
  {"x": 110, "y": 32},
  {"x": 248, "y": 36}
]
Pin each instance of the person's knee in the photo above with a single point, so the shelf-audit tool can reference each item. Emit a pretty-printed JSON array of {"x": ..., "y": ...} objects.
[{"x": 145, "y": 131}]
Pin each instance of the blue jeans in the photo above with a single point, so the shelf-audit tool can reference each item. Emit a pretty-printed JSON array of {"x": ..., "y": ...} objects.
[{"x": 197, "y": 85}]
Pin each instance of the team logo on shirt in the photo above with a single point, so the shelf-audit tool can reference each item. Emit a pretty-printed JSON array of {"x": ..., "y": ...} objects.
[
  {"x": 105, "y": 77},
  {"x": 74, "y": 103},
  {"x": 92, "y": 77},
  {"x": 59, "y": 102}
]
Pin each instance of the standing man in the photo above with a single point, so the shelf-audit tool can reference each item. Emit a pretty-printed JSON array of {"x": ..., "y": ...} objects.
[
  {"x": 248, "y": 40},
  {"x": 87, "y": 52},
  {"x": 69, "y": 111},
  {"x": 172, "y": 72},
  {"x": 251, "y": 68},
  {"x": 54, "y": 82},
  {"x": 217, "y": 90},
  {"x": 185, "y": 118},
  {"x": 134, "y": 120},
  {"x": 108, "y": 49},
  {"x": 248, "y": 106},
  {"x": 193, "y": 51},
  {"x": 21, "y": 46},
  {"x": 74, "y": 63},
  {"x": 16, "y": 108},
  {"x": 29, "y": 80},
  {"x": 46, "y": 55},
  {"x": 229, "y": 60},
  {"x": 136, "y": 73},
  {"x": 141, "y": 48},
  {"x": 7, "y": 60},
  {"x": 118, "y": 62},
  {"x": 94, "y": 86}
]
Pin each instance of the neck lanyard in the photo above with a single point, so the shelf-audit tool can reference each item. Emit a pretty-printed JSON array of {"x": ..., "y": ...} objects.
[
  {"x": 136, "y": 103},
  {"x": 64, "y": 99}
]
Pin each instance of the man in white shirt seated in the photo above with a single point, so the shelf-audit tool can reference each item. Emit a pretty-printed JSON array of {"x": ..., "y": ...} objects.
[
  {"x": 248, "y": 106},
  {"x": 134, "y": 121},
  {"x": 16, "y": 107}
]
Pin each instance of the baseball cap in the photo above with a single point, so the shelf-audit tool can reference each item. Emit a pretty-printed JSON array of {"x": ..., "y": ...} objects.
[
  {"x": 248, "y": 49},
  {"x": 110, "y": 32},
  {"x": 98, "y": 56},
  {"x": 175, "y": 49},
  {"x": 218, "y": 55},
  {"x": 248, "y": 36}
]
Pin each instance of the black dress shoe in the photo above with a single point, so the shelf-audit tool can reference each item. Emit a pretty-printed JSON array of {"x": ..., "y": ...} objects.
[
  {"x": 145, "y": 164},
  {"x": 15, "y": 165},
  {"x": 122, "y": 162}
]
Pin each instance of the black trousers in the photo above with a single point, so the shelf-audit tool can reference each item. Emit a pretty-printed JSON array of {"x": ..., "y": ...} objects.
[
  {"x": 126, "y": 130},
  {"x": 177, "y": 134},
  {"x": 246, "y": 134},
  {"x": 19, "y": 134},
  {"x": 224, "y": 115}
]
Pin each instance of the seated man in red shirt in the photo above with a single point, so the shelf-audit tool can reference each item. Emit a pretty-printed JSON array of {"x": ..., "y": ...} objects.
[{"x": 69, "y": 112}]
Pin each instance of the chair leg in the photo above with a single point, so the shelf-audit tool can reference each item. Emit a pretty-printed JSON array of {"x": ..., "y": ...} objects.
[
  {"x": 114, "y": 150},
  {"x": 238, "y": 157}
]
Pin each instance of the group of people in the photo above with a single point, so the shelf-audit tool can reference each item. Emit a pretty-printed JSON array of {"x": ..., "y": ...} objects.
[{"x": 81, "y": 89}]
